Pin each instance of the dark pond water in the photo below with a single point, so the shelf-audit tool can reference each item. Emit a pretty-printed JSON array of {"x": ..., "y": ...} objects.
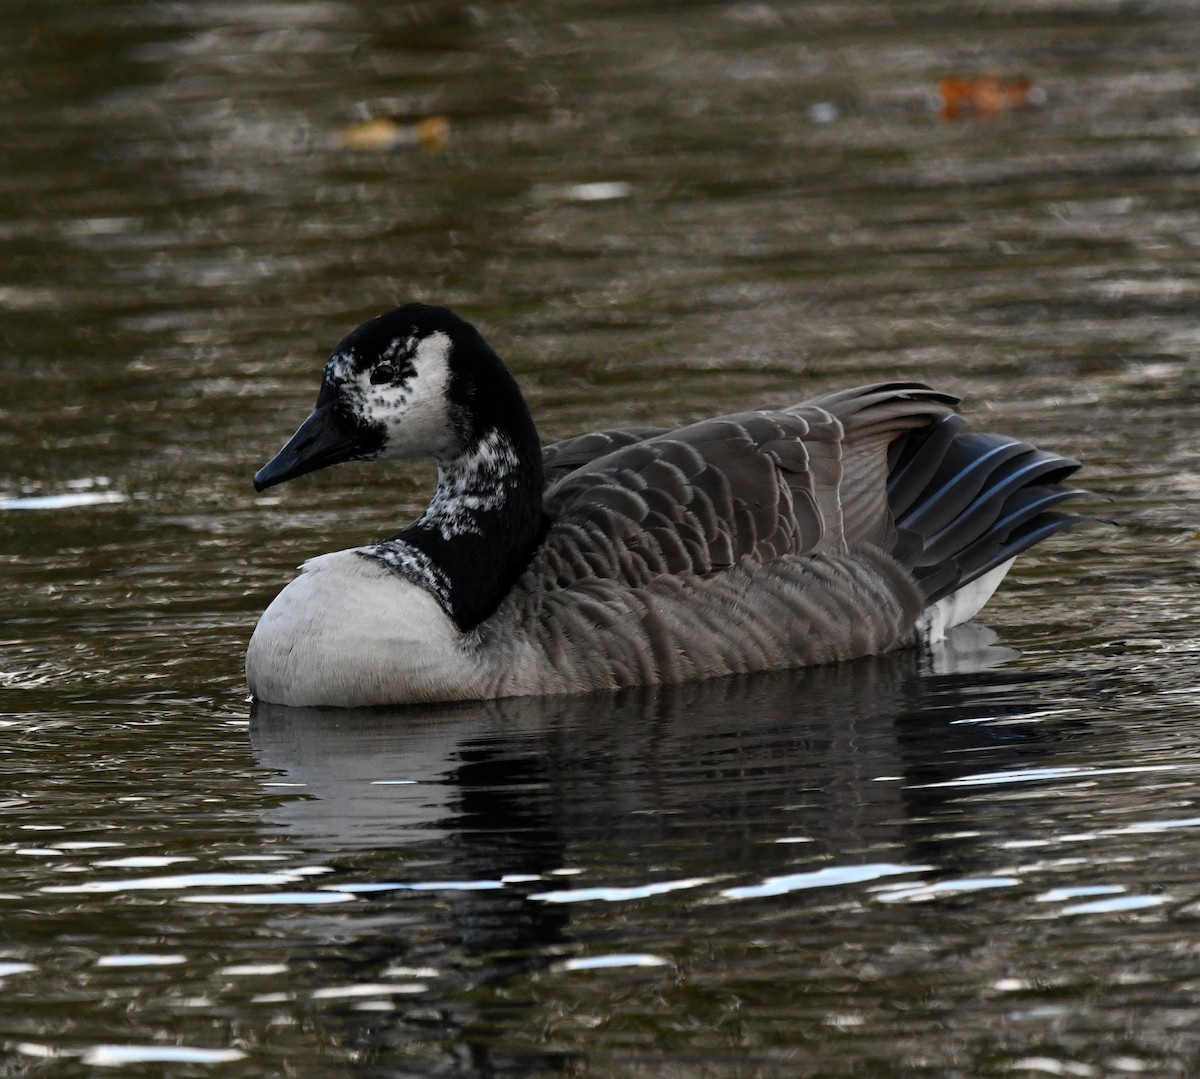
[{"x": 977, "y": 864}]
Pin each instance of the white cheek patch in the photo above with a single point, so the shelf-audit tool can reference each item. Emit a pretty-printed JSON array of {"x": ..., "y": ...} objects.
[{"x": 414, "y": 413}]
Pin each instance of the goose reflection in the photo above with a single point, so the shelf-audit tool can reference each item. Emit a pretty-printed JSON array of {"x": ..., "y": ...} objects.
[
  {"x": 524, "y": 785},
  {"x": 467, "y": 827}
]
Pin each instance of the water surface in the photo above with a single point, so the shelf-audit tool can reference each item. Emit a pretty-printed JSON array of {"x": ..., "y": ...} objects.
[{"x": 973, "y": 864}]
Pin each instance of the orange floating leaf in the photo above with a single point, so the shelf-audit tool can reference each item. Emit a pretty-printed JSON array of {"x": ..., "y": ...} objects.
[
  {"x": 383, "y": 133},
  {"x": 377, "y": 134},
  {"x": 986, "y": 96},
  {"x": 433, "y": 133}
]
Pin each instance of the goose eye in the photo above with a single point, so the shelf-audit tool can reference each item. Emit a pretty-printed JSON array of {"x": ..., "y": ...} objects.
[{"x": 385, "y": 372}]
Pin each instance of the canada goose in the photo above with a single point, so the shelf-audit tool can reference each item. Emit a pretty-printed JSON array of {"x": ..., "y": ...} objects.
[{"x": 854, "y": 523}]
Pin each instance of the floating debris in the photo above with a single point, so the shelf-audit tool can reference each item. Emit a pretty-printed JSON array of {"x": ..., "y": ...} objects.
[
  {"x": 987, "y": 96},
  {"x": 382, "y": 133}
]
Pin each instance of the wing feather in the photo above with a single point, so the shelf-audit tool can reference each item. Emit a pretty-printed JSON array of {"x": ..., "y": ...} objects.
[
  {"x": 561, "y": 458},
  {"x": 757, "y": 486}
]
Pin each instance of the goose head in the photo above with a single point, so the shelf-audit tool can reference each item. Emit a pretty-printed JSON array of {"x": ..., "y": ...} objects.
[{"x": 416, "y": 382}]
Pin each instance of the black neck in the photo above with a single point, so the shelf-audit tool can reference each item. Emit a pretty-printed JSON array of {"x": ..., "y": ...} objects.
[{"x": 485, "y": 519}]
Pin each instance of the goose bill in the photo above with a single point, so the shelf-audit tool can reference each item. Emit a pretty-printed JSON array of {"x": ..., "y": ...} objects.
[{"x": 317, "y": 443}]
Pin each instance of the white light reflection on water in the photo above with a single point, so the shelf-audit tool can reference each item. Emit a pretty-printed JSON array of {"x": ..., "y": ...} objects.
[
  {"x": 1119, "y": 905},
  {"x": 1033, "y": 775},
  {"x": 614, "y": 961},
  {"x": 63, "y": 501},
  {"x": 140, "y": 960},
  {"x": 829, "y": 877},
  {"x": 620, "y": 895},
  {"x": 1150, "y": 827},
  {"x": 119, "y": 1056},
  {"x": 421, "y": 886},
  {"x": 368, "y": 989},
  {"x": 183, "y": 880},
  {"x": 142, "y": 861},
  {"x": 943, "y": 888},
  {"x": 247, "y": 970},
  {"x": 14, "y": 968},
  {"x": 1061, "y": 895},
  {"x": 267, "y": 899}
]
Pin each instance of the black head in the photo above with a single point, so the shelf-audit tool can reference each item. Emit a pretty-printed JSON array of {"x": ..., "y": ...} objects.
[{"x": 415, "y": 382}]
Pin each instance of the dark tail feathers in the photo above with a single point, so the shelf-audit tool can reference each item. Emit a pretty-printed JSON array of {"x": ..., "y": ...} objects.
[{"x": 965, "y": 503}]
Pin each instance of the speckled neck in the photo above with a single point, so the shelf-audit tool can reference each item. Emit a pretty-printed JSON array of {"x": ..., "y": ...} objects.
[
  {"x": 473, "y": 486},
  {"x": 480, "y": 527}
]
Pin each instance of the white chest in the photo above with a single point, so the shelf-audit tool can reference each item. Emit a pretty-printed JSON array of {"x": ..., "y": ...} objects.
[{"x": 349, "y": 632}]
